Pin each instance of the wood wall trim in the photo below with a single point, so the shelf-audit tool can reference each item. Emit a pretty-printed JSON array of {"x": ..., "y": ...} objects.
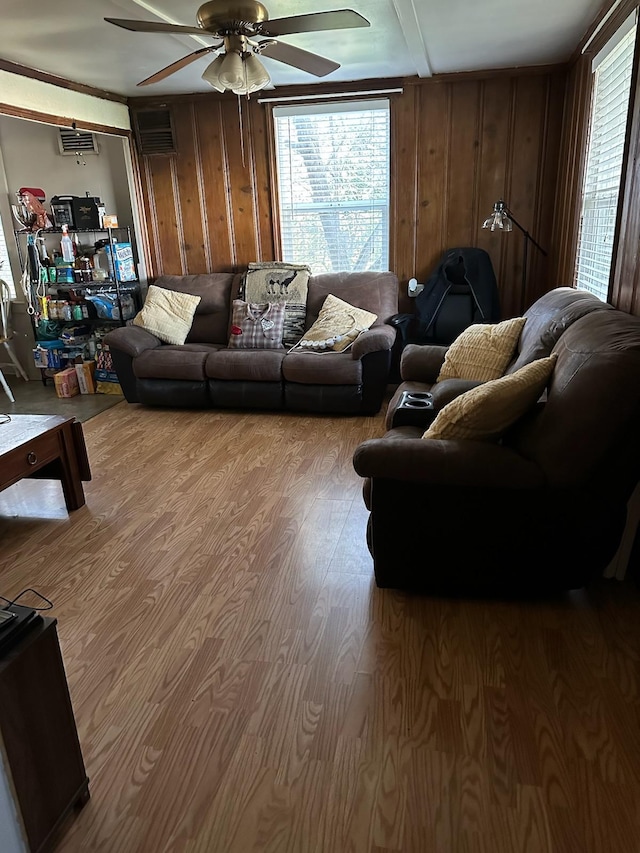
[
  {"x": 602, "y": 36},
  {"x": 489, "y": 74},
  {"x": 142, "y": 231},
  {"x": 62, "y": 82},
  {"x": 273, "y": 184},
  {"x": 347, "y": 88},
  {"x": 624, "y": 286},
  {"x": 281, "y": 91},
  {"x": 61, "y": 121}
]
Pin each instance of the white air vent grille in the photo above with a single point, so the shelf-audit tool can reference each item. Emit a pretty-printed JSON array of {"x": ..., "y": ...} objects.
[{"x": 72, "y": 141}]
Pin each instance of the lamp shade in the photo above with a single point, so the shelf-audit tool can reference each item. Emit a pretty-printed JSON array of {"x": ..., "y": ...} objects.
[
  {"x": 242, "y": 73},
  {"x": 499, "y": 218},
  {"x": 232, "y": 71},
  {"x": 212, "y": 74},
  {"x": 256, "y": 76}
]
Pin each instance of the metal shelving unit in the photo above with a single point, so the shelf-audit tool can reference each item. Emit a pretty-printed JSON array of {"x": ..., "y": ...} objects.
[{"x": 113, "y": 285}]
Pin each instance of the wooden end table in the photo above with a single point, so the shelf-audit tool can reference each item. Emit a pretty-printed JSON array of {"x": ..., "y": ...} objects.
[
  {"x": 42, "y": 772},
  {"x": 47, "y": 447}
]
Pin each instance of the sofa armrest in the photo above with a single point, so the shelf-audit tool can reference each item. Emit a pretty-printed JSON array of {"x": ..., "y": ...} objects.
[
  {"x": 373, "y": 340},
  {"x": 421, "y": 363},
  {"x": 397, "y": 456},
  {"x": 132, "y": 340},
  {"x": 448, "y": 389}
]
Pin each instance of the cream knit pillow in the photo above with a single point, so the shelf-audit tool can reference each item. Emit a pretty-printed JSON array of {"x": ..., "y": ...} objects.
[
  {"x": 486, "y": 412},
  {"x": 483, "y": 351},
  {"x": 167, "y": 314},
  {"x": 337, "y": 326}
]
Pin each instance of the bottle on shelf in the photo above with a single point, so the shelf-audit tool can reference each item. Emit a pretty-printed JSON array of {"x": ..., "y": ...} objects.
[{"x": 66, "y": 245}]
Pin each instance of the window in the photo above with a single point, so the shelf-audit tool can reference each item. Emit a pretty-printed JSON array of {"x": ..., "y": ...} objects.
[
  {"x": 5, "y": 266},
  {"x": 612, "y": 83},
  {"x": 333, "y": 177}
]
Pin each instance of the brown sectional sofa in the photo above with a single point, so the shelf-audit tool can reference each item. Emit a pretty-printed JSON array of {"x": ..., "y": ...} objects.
[
  {"x": 542, "y": 509},
  {"x": 203, "y": 372}
]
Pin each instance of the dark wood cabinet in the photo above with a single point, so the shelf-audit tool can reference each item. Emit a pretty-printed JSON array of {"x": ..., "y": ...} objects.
[{"x": 40, "y": 752}]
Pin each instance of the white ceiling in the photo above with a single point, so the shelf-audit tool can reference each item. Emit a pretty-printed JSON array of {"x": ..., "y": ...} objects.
[{"x": 406, "y": 37}]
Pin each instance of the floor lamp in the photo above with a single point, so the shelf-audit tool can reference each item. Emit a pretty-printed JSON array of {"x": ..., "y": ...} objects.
[{"x": 503, "y": 219}]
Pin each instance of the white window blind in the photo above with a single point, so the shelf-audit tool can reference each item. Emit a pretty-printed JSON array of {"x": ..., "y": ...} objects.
[
  {"x": 603, "y": 170},
  {"x": 5, "y": 266},
  {"x": 333, "y": 181}
]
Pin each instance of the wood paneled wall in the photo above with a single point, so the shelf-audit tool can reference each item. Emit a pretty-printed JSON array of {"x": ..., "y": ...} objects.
[
  {"x": 209, "y": 206},
  {"x": 457, "y": 146}
]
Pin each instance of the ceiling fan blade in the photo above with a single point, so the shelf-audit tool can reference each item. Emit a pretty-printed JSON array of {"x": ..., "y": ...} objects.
[
  {"x": 290, "y": 55},
  {"x": 337, "y": 20},
  {"x": 155, "y": 27},
  {"x": 176, "y": 66}
]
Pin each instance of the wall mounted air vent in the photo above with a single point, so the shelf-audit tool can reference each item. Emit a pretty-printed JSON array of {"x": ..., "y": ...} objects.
[
  {"x": 154, "y": 131},
  {"x": 72, "y": 141}
]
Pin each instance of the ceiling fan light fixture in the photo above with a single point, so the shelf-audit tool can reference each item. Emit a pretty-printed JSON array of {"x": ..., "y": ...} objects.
[
  {"x": 256, "y": 75},
  {"x": 211, "y": 74},
  {"x": 236, "y": 22},
  {"x": 240, "y": 73},
  {"x": 231, "y": 71}
]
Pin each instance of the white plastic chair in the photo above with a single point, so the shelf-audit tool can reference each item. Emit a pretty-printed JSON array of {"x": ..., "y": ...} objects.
[{"x": 6, "y": 336}]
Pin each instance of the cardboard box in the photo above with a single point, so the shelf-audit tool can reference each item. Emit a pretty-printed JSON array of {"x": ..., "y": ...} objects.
[
  {"x": 109, "y": 220},
  {"x": 85, "y": 372},
  {"x": 66, "y": 382},
  {"x": 48, "y": 354},
  {"x": 122, "y": 256},
  {"x": 108, "y": 388}
]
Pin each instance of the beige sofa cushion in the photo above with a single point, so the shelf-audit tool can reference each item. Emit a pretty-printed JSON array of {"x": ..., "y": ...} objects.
[
  {"x": 167, "y": 314},
  {"x": 483, "y": 351},
  {"x": 486, "y": 412},
  {"x": 337, "y": 326},
  {"x": 332, "y": 368}
]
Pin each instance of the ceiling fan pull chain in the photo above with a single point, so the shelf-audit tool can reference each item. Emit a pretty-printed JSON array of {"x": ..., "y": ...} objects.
[{"x": 244, "y": 165}]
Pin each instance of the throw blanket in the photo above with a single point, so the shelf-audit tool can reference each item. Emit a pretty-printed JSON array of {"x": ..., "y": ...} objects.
[{"x": 278, "y": 281}]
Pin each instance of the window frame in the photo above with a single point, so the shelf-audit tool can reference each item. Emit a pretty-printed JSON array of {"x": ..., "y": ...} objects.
[
  {"x": 630, "y": 25},
  {"x": 327, "y": 104}
]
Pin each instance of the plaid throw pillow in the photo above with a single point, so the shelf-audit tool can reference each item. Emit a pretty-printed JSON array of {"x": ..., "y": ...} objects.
[{"x": 256, "y": 325}]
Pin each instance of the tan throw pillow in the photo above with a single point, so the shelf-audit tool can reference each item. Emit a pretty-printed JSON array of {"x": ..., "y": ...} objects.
[
  {"x": 483, "y": 351},
  {"x": 167, "y": 314},
  {"x": 337, "y": 326},
  {"x": 486, "y": 412}
]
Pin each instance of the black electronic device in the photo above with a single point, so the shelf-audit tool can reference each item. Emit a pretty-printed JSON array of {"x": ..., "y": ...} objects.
[
  {"x": 62, "y": 211},
  {"x": 6, "y": 617},
  {"x": 79, "y": 212},
  {"x": 15, "y": 621}
]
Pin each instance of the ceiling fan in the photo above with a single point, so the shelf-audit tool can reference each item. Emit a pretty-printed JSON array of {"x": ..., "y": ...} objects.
[{"x": 238, "y": 23}]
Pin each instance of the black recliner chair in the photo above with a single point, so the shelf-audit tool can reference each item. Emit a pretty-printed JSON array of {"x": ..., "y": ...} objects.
[{"x": 462, "y": 290}]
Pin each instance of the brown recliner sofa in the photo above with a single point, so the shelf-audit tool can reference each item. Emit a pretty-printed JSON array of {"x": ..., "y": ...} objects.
[
  {"x": 204, "y": 372},
  {"x": 542, "y": 509},
  {"x": 547, "y": 319}
]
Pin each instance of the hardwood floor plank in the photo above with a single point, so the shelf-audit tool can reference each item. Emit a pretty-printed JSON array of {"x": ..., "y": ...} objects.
[{"x": 240, "y": 684}]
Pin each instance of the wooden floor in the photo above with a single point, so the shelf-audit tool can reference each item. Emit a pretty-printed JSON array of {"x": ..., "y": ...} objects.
[{"x": 241, "y": 685}]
